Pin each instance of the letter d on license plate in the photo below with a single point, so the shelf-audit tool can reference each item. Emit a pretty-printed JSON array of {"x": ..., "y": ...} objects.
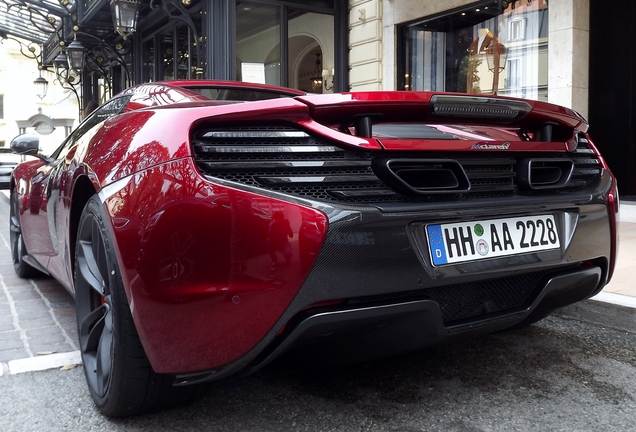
[{"x": 476, "y": 240}]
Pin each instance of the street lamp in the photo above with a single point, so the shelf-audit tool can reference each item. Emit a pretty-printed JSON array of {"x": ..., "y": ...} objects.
[{"x": 125, "y": 14}]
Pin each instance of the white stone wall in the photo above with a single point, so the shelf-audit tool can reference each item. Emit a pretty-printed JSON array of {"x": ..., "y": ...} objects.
[{"x": 365, "y": 45}]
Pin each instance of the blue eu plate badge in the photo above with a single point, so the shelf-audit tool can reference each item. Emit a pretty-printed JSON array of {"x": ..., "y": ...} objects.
[{"x": 436, "y": 240}]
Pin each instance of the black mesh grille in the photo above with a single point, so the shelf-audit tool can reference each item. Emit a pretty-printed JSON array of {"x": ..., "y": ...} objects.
[
  {"x": 284, "y": 159},
  {"x": 475, "y": 299},
  {"x": 465, "y": 301}
]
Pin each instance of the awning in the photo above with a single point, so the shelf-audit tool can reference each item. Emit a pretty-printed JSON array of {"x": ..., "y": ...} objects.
[{"x": 33, "y": 20}]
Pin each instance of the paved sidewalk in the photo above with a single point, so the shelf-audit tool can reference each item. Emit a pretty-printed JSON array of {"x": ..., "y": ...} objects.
[
  {"x": 623, "y": 281},
  {"x": 37, "y": 317}
]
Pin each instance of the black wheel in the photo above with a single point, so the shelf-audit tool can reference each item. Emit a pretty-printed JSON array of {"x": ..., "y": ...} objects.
[
  {"x": 18, "y": 249},
  {"x": 119, "y": 376}
]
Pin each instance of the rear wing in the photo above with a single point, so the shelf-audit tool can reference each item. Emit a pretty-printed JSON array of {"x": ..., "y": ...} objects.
[{"x": 533, "y": 121}]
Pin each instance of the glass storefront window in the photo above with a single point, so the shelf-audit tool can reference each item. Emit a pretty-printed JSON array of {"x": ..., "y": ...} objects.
[
  {"x": 166, "y": 61},
  {"x": 311, "y": 51},
  {"x": 308, "y": 49},
  {"x": 258, "y": 43},
  {"x": 148, "y": 62},
  {"x": 491, "y": 47},
  {"x": 174, "y": 50}
]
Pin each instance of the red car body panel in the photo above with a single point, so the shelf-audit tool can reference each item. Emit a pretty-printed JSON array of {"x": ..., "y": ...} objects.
[
  {"x": 195, "y": 258},
  {"x": 207, "y": 272}
]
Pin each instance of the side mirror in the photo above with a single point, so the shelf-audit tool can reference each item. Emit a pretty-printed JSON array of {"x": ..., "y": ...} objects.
[{"x": 25, "y": 144}]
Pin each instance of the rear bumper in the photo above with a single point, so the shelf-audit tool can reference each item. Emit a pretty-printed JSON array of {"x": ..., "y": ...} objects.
[
  {"x": 388, "y": 329},
  {"x": 348, "y": 334},
  {"x": 392, "y": 300}
]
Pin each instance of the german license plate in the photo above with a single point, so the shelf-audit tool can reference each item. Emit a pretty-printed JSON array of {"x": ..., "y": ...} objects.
[{"x": 476, "y": 240}]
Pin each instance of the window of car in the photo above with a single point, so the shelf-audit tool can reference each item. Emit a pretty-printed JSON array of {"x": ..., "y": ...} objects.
[
  {"x": 112, "y": 107},
  {"x": 238, "y": 94}
]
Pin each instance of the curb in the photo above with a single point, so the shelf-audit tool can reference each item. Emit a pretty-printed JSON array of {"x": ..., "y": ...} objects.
[
  {"x": 31, "y": 364},
  {"x": 609, "y": 310}
]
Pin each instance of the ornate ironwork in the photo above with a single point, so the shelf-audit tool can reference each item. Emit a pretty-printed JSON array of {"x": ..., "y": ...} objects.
[
  {"x": 69, "y": 79},
  {"x": 183, "y": 11},
  {"x": 30, "y": 50},
  {"x": 41, "y": 18},
  {"x": 102, "y": 57}
]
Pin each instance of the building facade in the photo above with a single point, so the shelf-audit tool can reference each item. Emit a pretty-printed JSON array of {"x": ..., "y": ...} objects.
[
  {"x": 576, "y": 53},
  {"x": 20, "y": 107}
]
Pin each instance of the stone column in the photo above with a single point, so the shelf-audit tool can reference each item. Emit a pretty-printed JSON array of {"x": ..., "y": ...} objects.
[
  {"x": 365, "y": 45},
  {"x": 568, "y": 54}
]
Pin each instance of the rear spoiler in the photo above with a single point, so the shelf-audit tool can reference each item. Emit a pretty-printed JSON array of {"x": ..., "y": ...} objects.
[{"x": 541, "y": 121}]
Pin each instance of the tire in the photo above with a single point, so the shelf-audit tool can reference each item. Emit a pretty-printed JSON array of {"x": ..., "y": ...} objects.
[
  {"x": 120, "y": 378},
  {"x": 18, "y": 248}
]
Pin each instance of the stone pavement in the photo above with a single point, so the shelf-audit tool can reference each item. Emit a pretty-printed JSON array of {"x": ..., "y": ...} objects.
[
  {"x": 37, "y": 317},
  {"x": 623, "y": 281}
]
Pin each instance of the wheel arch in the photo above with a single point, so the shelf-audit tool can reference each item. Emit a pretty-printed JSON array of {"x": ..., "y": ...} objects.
[{"x": 83, "y": 190}]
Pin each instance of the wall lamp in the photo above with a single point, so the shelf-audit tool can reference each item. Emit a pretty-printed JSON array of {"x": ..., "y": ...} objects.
[{"x": 327, "y": 79}]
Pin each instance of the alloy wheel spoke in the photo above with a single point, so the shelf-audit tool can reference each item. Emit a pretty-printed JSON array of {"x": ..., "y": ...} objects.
[
  {"x": 88, "y": 268},
  {"x": 103, "y": 355},
  {"x": 92, "y": 327},
  {"x": 18, "y": 248},
  {"x": 15, "y": 232},
  {"x": 93, "y": 303}
]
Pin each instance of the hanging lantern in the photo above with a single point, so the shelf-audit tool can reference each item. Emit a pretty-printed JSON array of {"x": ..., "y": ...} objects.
[
  {"x": 60, "y": 62},
  {"x": 75, "y": 53},
  {"x": 41, "y": 86},
  {"x": 125, "y": 14}
]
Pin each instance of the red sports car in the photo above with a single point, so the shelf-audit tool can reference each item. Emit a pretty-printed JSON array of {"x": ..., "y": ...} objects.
[{"x": 205, "y": 227}]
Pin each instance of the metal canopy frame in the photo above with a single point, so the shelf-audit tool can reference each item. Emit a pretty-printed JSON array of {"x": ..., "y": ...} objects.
[{"x": 32, "y": 20}]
